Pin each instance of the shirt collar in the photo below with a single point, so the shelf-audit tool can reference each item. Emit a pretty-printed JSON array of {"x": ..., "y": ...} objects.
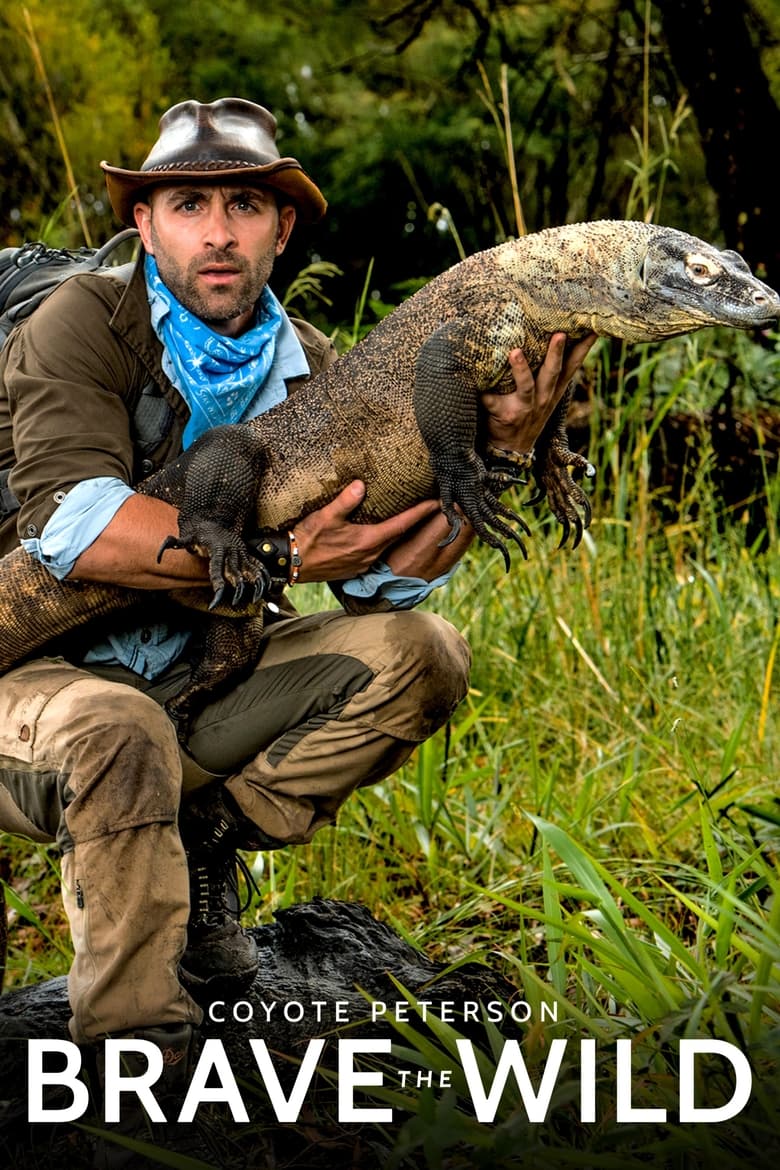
[{"x": 289, "y": 362}]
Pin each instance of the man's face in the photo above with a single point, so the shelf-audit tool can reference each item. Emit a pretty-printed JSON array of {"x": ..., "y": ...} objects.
[{"x": 215, "y": 247}]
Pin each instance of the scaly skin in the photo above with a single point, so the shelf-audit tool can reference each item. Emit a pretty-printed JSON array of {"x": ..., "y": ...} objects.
[{"x": 399, "y": 411}]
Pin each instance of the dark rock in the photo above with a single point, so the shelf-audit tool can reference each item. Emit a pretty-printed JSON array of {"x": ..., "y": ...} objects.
[{"x": 324, "y": 966}]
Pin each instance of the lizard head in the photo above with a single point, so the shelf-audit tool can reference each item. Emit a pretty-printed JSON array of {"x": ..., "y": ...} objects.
[{"x": 691, "y": 284}]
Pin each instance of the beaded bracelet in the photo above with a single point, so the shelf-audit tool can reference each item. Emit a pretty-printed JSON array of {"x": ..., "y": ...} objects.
[{"x": 295, "y": 559}]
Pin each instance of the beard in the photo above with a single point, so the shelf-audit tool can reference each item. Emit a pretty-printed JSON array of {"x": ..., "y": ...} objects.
[{"x": 215, "y": 305}]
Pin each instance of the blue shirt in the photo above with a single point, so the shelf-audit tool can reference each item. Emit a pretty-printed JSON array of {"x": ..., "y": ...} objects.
[{"x": 90, "y": 506}]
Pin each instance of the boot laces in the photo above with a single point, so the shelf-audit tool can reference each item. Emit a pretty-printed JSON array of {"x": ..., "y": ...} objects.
[
  {"x": 250, "y": 885},
  {"x": 216, "y": 890}
]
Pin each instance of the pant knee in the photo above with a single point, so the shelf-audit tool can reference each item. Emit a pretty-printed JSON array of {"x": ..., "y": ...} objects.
[
  {"x": 123, "y": 769},
  {"x": 443, "y": 660},
  {"x": 426, "y": 676}
]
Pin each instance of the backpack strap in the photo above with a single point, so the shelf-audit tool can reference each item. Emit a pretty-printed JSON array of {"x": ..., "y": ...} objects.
[
  {"x": 105, "y": 250},
  {"x": 9, "y": 504},
  {"x": 151, "y": 420}
]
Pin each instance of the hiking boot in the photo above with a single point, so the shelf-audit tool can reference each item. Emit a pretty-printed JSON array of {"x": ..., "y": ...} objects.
[
  {"x": 211, "y": 818},
  {"x": 220, "y": 955},
  {"x": 178, "y": 1043}
]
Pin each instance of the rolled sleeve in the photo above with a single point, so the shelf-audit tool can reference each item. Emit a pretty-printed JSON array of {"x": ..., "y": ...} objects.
[
  {"x": 380, "y": 583},
  {"x": 77, "y": 523}
]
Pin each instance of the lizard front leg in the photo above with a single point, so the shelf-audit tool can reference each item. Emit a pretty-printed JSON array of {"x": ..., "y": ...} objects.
[
  {"x": 552, "y": 471},
  {"x": 445, "y": 406},
  {"x": 214, "y": 486}
]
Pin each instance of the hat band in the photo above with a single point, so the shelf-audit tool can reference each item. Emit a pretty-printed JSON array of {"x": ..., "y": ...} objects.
[{"x": 208, "y": 164}]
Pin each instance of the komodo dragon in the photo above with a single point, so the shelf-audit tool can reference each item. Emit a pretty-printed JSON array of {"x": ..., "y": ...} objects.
[{"x": 400, "y": 412}]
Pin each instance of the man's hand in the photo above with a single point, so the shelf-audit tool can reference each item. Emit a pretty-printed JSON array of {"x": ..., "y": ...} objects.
[
  {"x": 516, "y": 420},
  {"x": 333, "y": 548}
]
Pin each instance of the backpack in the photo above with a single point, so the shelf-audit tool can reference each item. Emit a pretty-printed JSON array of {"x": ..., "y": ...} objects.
[{"x": 28, "y": 274}]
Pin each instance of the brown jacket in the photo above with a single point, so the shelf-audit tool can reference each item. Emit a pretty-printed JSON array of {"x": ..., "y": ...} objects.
[{"x": 71, "y": 377}]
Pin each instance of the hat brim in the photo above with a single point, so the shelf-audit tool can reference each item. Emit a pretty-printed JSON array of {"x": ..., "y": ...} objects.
[{"x": 126, "y": 188}]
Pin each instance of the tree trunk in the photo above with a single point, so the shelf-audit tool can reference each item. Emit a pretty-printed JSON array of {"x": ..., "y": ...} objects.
[{"x": 718, "y": 62}]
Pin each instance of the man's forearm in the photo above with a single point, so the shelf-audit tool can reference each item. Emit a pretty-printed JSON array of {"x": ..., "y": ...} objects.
[
  {"x": 421, "y": 554},
  {"x": 126, "y": 551}
]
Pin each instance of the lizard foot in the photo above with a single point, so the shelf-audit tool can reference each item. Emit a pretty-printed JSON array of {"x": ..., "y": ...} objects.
[
  {"x": 567, "y": 500},
  {"x": 230, "y": 564},
  {"x": 468, "y": 487},
  {"x": 506, "y": 468}
]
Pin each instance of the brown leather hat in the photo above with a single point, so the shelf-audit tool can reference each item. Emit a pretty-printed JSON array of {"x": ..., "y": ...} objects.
[{"x": 229, "y": 139}]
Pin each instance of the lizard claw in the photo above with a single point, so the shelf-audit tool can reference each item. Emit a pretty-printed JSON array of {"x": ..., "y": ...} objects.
[
  {"x": 230, "y": 563},
  {"x": 169, "y": 542},
  {"x": 539, "y": 495},
  {"x": 260, "y": 589},
  {"x": 467, "y": 483},
  {"x": 579, "y": 528},
  {"x": 455, "y": 523},
  {"x": 217, "y": 598},
  {"x": 568, "y": 502},
  {"x": 242, "y": 598}
]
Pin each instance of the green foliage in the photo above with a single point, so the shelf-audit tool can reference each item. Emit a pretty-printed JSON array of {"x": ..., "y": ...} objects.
[
  {"x": 391, "y": 111},
  {"x": 307, "y": 286},
  {"x": 107, "y": 73},
  {"x": 600, "y": 820}
]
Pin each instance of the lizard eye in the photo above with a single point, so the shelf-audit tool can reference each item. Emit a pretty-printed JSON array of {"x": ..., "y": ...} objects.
[{"x": 701, "y": 269}]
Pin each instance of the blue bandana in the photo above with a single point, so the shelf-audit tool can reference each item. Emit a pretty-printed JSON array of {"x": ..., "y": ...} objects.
[{"x": 218, "y": 376}]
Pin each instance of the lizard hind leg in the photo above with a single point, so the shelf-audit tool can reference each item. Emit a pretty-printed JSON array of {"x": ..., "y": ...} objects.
[{"x": 226, "y": 650}]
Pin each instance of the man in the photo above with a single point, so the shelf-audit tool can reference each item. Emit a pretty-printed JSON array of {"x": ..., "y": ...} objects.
[{"x": 88, "y": 757}]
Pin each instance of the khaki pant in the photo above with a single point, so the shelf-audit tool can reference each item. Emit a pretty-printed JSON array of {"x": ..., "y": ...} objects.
[{"x": 91, "y": 761}]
